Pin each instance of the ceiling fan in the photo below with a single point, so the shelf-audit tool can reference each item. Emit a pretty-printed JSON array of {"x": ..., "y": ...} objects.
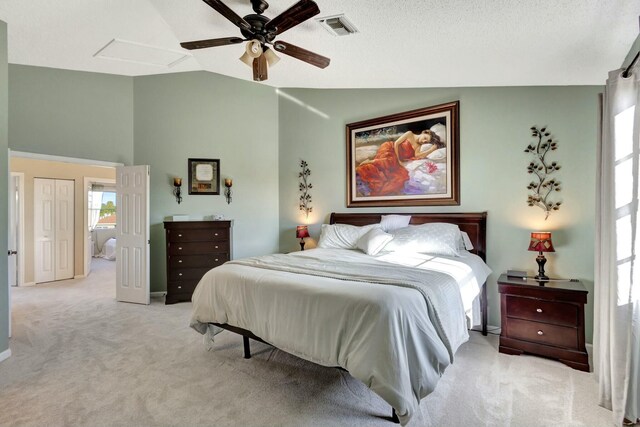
[{"x": 260, "y": 32}]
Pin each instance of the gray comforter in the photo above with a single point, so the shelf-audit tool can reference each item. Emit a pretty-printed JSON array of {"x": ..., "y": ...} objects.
[{"x": 394, "y": 328}]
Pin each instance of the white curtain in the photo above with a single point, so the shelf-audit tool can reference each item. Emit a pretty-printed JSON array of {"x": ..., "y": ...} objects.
[
  {"x": 96, "y": 204},
  {"x": 617, "y": 270}
]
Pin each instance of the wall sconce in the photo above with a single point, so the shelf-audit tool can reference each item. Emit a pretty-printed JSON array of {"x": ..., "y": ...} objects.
[
  {"x": 228, "y": 183},
  {"x": 177, "y": 183},
  {"x": 302, "y": 231}
]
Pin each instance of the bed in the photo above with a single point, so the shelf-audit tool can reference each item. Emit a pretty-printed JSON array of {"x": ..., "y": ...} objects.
[{"x": 335, "y": 307}]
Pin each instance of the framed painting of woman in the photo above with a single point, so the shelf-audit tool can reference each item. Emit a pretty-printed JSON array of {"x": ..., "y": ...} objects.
[{"x": 405, "y": 159}]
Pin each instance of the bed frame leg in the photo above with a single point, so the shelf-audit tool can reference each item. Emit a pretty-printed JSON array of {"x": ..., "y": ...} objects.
[
  {"x": 394, "y": 416},
  {"x": 484, "y": 309},
  {"x": 247, "y": 348}
]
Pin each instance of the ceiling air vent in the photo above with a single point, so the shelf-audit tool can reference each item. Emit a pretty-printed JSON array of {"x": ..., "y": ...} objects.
[{"x": 338, "y": 25}]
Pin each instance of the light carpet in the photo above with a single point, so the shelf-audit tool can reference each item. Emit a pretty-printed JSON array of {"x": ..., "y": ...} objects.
[{"x": 82, "y": 359}]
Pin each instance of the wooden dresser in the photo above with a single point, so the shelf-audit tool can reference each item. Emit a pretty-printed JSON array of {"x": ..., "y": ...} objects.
[
  {"x": 193, "y": 248},
  {"x": 544, "y": 319}
]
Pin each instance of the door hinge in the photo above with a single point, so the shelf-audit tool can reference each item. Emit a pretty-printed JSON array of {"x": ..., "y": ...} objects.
[
  {"x": 10, "y": 252},
  {"x": 148, "y": 242}
]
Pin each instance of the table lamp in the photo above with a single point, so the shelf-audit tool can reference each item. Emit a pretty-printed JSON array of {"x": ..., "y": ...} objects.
[
  {"x": 541, "y": 242},
  {"x": 301, "y": 233}
]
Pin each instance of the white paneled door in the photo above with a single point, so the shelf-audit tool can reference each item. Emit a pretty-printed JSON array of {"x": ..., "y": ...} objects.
[
  {"x": 53, "y": 229},
  {"x": 64, "y": 229},
  {"x": 132, "y": 234}
]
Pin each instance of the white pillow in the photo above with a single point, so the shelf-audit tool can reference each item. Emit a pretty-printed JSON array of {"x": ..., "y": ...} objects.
[
  {"x": 373, "y": 241},
  {"x": 465, "y": 242},
  {"x": 342, "y": 236},
  {"x": 393, "y": 222},
  {"x": 434, "y": 238}
]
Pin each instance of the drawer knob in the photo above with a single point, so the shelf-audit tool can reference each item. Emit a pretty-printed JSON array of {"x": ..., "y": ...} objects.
[
  {"x": 179, "y": 235},
  {"x": 539, "y": 310},
  {"x": 180, "y": 261},
  {"x": 216, "y": 247},
  {"x": 179, "y": 287},
  {"x": 540, "y": 333},
  {"x": 179, "y": 248},
  {"x": 179, "y": 274},
  {"x": 215, "y": 234},
  {"x": 216, "y": 259}
]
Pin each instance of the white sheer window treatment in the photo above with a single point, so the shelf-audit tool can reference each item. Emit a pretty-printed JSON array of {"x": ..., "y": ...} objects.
[
  {"x": 617, "y": 270},
  {"x": 94, "y": 209}
]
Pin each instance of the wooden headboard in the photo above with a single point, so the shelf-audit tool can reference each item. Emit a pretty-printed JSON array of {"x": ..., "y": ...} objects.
[{"x": 474, "y": 224}]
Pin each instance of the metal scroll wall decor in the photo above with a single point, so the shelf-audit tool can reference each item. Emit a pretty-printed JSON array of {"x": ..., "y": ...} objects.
[
  {"x": 305, "y": 186},
  {"x": 543, "y": 184}
]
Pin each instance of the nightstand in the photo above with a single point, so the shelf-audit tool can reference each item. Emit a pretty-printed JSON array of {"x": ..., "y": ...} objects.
[{"x": 544, "y": 318}]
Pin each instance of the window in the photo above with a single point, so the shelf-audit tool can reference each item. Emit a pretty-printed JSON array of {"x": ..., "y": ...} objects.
[{"x": 102, "y": 209}]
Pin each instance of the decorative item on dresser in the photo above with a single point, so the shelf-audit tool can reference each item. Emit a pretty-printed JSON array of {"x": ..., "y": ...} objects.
[
  {"x": 193, "y": 248},
  {"x": 544, "y": 318}
]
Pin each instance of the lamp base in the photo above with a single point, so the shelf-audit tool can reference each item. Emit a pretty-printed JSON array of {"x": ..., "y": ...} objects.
[
  {"x": 302, "y": 244},
  {"x": 541, "y": 260}
]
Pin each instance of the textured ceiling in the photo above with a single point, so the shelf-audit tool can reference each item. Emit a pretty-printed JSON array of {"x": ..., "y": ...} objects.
[{"x": 402, "y": 43}]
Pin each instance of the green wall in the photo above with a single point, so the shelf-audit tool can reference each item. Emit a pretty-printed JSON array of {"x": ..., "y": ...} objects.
[
  {"x": 260, "y": 138},
  {"x": 71, "y": 113},
  {"x": 494, "y": 130},
  {"x": 205, "y": 115},
  {"x": 4, "y": 184}
]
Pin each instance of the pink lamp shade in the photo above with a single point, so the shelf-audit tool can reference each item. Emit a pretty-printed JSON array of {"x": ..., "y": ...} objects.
[
  {"x": 302, "y": 232},
  {"x": 541, "y": 242}
]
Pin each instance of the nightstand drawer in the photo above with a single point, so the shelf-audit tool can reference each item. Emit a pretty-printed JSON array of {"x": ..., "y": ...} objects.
[
  {"x": 561, "y": 336},
  {"x": 557, "y": 313}
]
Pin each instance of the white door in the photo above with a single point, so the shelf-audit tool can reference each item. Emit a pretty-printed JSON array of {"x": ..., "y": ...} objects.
[
  {"x": 132, "y": 234},
  {"x": 64, "y": 229},
  {"x": 44, "y": 191}
]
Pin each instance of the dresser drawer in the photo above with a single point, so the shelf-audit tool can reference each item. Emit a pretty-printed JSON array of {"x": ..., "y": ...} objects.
[
  {"x": 544, "y": 333},
  {"x": 558, "y": 313},
  {"x": 187, "y": 273},
  {"x": 182, "y": 286},
  {"x": 198, "y": 235},
  {"x": 196, "y": 261},
  {"x": 198, "y": 248}
]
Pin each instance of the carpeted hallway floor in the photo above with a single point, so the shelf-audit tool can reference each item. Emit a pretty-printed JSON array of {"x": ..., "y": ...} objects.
[{"x": 81, "y": 359}]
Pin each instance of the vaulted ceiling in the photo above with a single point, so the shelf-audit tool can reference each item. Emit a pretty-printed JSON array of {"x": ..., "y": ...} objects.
[{"x": 402, "y": 43}]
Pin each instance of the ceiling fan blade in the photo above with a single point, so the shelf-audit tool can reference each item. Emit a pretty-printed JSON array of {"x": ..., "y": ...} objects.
[
  {"x": 302, "y": 54},
  {"x": 293, "y": 16},
  {"x": 202, "y": 44},
  {"x": 225, "y": 11},
  {"x": 260, "y": 68}
]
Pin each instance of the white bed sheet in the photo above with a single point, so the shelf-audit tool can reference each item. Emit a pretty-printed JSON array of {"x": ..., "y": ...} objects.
[{"x": 469, "y": 270}]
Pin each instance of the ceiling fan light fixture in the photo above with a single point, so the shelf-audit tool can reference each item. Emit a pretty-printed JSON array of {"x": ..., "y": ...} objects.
[
  {"x": 247, "y": 59},
  {"x": 272, "y": 58},
  {"x": 254, "y": 49}
]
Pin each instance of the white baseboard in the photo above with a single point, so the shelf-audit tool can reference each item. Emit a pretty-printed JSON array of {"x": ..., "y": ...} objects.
[
  {"x": 28, "y": 284},
  {"x": 158, "y": 294},
  {"x": 5, "y": 354},
  {"x": 79, "y": 276}
]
